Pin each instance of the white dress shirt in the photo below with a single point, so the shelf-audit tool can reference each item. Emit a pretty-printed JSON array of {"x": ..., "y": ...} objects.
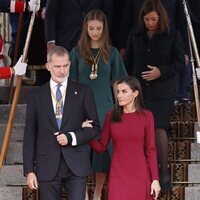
[{"x": 63, "y": 89}]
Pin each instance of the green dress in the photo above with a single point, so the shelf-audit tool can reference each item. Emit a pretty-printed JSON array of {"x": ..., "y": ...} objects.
[{"x": 108, "y": 73}]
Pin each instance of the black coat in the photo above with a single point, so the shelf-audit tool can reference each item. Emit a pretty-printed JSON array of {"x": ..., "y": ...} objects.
[
  {"x": 41, "y": 151},
  {"x": 164, "y": 51},
  {"x": 64, "y": 18}
]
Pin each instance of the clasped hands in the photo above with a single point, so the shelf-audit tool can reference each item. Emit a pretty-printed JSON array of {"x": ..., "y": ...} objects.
[{"x": 152, "y": 74}]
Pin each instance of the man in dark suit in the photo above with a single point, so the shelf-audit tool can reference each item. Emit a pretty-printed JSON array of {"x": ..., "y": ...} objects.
[
  {"x": 55, "y": 149},
  {"x": 64, "y": 18}
]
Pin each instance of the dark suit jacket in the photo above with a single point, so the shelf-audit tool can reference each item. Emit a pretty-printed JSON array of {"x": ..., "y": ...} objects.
[
  {"x": 41, "y": 151},
  {"x": 64, "y": 18}
]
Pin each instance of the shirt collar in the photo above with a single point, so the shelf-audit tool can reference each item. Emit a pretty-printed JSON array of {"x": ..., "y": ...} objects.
[{"x": 53, "y": 84}]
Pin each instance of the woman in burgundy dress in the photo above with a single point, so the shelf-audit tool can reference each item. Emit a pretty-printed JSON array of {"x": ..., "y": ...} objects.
[{"x": 134, "y": 169}]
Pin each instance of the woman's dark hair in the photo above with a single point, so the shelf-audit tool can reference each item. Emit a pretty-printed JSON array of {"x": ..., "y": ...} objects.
[
  {"x": 155, "y": 6},
  {"x": 84, "y": 42},
  {"x": 134, "y": 84}
]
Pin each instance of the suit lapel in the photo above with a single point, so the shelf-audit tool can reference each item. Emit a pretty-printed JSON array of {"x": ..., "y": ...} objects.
[
  {"x": 71, "y": 94},
  {"x": 47, "y": 104}
]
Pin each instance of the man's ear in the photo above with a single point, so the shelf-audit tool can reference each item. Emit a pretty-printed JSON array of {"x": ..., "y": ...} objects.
[{"x": 47, "y": 66}]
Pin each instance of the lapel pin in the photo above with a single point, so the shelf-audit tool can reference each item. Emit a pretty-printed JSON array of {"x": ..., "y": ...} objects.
[{"x": 75, "y": 92}]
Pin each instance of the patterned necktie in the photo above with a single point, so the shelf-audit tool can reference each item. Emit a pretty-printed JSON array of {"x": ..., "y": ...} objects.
[{"x": 59, "y": 106}]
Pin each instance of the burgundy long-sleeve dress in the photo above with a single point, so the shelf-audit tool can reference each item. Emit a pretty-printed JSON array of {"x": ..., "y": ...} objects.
[{"x": 134, "y": 161}]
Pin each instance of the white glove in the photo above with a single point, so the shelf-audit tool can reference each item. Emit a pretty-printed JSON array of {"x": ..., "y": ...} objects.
[
  {"x": 198, "y": 73},
  {"x": 34, "y": 5},
  {"x": 20, "y": 67}
]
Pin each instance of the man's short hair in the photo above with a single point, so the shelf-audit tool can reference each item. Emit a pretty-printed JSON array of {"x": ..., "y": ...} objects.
[{"x": 58, "y": 50}]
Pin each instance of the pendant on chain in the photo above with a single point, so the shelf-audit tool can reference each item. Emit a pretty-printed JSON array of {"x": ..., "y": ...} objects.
[{"x": 58, "y": 113}]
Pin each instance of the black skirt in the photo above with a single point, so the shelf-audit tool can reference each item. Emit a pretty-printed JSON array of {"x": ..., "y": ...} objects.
[{"x": 162, "y": 110}]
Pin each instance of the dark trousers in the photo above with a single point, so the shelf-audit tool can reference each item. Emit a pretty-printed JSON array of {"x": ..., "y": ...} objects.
[
  {"x": 75, "y": 186},
  {"x": 183, "y": 82}
]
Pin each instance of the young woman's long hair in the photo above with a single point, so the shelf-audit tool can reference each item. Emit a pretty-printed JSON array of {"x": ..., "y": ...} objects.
[
  {"x": 134, "y": 84},
  {"x": 84, "y": 42},
  {"x": 155, "y": 6}
]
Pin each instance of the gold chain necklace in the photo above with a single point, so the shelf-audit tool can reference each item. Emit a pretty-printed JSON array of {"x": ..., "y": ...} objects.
[
  {"x": 95, "y": 61},
  {"x": 58, "y": 110}
]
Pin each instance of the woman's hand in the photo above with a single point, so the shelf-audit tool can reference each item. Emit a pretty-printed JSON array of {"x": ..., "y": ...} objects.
[
  {"x": 155, "y": 189},
  {"x": 152, "y": 74},
  {"x": 87, "y": 123}
]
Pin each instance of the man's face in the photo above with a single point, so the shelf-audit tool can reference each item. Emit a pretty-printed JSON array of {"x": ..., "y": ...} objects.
[{"x": 59, "y": 67}]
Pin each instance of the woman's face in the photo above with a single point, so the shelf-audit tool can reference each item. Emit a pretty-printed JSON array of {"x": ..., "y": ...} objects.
[
  {"x": 151, "y": 21},
  {"x": 95, "y": 29},
  {"x": 125, "y": 95}
]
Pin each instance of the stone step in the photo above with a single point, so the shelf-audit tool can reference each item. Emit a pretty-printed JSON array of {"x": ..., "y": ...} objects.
[
  {"x": 192, "y": 193},
  {"x": 12, "y": 175},
  {"x": 10, "y": 193},
  {"x": 4, "y": 93},
  {"x": 194, "y": 173},
  {"x": 185, "y": 112},
  {"x": 16, "y": 135},
  {"x": 19, "y": 116},
  {"x": 179, "y": 150},
  {"x": 195, "y": 151},
  {"x": 182, "y": 129},
  {"x": 14, "y": 153}
]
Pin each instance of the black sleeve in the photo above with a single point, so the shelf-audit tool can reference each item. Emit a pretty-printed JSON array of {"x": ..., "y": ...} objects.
[
  {"x": 128, "y": 61},
  {"x": 50, "y": 19}
]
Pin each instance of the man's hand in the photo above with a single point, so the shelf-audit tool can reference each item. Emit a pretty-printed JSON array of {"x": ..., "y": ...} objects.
[
  {"x": 32, "y": 181},
  {"x": 122, "y": 52},
  {"x": 43, "y": 13},
  {"x": 152, "y": 74},
  {"x": 34, "y": 5},
  {"x": 20, "y": 67},
  {"x": 187, "y": 60},
  {"x": 61, "y": 138}
]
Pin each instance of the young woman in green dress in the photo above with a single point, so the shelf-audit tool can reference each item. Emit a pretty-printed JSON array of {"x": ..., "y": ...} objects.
[{"x": 97, "y": 64}]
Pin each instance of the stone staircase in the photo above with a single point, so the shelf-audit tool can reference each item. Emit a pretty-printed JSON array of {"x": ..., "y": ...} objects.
[
  {"x": 11, "y": 176},
  {"x": 184, "y": 156}
]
